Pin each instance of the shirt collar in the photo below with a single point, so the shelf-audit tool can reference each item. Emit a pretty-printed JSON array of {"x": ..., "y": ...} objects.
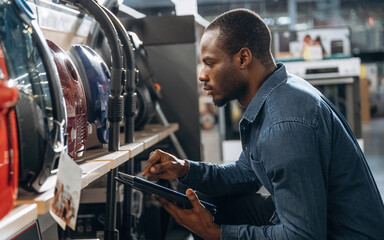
[{"x": 277, "y": 78}]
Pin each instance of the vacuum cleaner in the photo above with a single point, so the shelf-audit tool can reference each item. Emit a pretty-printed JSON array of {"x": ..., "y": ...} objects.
[
  {"x": 95, "y": 77},
  {"x": 9, "y": 149},
  {"x": 76, "y": 103},
  {"x": 40, "y": 110}
]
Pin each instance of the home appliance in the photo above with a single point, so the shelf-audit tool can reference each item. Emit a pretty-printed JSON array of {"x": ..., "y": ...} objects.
[
  {"x": 9, "y": 151},
  {"x": 40, "y": 111},
  {"x": 76, "y": 103},
  {"x": 95, "y": 78}
]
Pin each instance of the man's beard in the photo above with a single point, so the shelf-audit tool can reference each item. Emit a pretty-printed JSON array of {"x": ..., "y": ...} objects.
[
  {"x": 226, "y": 99},
  {"x": 220, "y": 103}
]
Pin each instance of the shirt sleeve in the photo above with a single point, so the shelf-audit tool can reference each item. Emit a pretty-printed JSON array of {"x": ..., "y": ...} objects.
[
  {"x": 225, "y": 179},
  {"x": 292, "y": 156}
]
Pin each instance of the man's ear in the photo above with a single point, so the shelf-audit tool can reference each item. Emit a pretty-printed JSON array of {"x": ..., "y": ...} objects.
[{"x": 244, "y": 57}]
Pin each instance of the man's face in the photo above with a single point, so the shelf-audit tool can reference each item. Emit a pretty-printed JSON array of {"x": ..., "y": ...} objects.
[{"x": 220, "y": 75}]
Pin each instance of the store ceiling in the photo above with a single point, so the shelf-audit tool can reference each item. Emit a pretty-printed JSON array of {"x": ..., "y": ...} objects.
[
  {"x": 206, "y": 7},
  {"x": 308, "y": 12}
]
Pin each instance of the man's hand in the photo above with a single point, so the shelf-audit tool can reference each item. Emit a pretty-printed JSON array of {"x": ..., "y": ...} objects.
[
  {"x": 198, "y": 219},
  {"x": 164, "y": 165}
]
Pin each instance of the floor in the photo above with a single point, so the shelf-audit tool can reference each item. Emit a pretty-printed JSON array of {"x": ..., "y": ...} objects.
[{"x": 373, "y": 135}]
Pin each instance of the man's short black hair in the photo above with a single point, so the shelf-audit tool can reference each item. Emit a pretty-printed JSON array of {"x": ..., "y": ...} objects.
[{"x": 243, "y": 28}]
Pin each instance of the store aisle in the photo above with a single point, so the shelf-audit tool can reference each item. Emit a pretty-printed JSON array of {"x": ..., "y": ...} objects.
[{"x": 373, "y": 134}]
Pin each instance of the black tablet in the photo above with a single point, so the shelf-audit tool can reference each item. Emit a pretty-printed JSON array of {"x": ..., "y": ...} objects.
[{"x": 144, "y": 185}]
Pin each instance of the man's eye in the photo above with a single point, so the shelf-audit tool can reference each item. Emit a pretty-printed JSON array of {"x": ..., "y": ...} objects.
[{"x": 209, "y": 64}]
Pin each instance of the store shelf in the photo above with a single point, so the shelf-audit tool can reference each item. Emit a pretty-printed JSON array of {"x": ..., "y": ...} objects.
[
  {"x": 17, "y": 219},
  {"x": 115, "y": 159},
  {"x": 147, "y": 139},
  {"x": 133, "y": 148},
  {"x": 91, "y": 172},
  {"x": 149, "y": 136},
  {"x": 92, "y": 154},
  {"x": 97, "y": 162}
]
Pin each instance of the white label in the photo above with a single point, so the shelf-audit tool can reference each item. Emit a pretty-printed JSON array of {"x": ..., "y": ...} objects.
[{"x": 66, "y": 199}]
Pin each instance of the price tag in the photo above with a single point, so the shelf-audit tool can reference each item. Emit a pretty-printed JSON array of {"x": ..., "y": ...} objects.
[{"x": 66, "y": 199}]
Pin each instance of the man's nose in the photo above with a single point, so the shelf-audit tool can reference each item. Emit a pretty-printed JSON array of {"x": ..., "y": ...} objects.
[{"x": 203, "y": 77}]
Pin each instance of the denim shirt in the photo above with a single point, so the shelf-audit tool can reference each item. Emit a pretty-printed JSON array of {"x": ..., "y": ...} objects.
[{"x": 301, "y": 149}]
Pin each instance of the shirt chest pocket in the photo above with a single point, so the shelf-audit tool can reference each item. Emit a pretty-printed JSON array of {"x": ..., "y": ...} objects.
[{"x": 258, "y": 167}]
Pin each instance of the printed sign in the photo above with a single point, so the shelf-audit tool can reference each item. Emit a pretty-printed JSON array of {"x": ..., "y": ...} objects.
[{"x": 66, "y": 199}]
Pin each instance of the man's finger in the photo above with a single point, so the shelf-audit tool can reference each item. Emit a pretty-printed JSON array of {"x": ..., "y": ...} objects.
[
  {"x": 194, "y": 200},
  {"x": 156, "y": 170},
  {"x": 168, "y": 205},
  {"x": 170, "y": 208},
  {"x": 153, "y": 177},
  {"x": 153, "y": 158},
  {"x": 150, "y": 154}
]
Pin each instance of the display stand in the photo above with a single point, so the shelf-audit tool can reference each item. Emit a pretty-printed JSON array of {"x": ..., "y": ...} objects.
[
  {"x": 98, "y": 162},
  {"x": 91, "y": 172},
  {"x": 29, "y": 205},
  {"x": 17, "y": 219}
]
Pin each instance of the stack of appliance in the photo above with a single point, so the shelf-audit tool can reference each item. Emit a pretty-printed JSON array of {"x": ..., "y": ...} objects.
[
  {"x": 49, "y": 98},
  {"x": 40, "y": 110}
]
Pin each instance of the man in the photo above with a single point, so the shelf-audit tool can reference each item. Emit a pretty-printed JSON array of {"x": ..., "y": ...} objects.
[{"x": 294, "y": 142}]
